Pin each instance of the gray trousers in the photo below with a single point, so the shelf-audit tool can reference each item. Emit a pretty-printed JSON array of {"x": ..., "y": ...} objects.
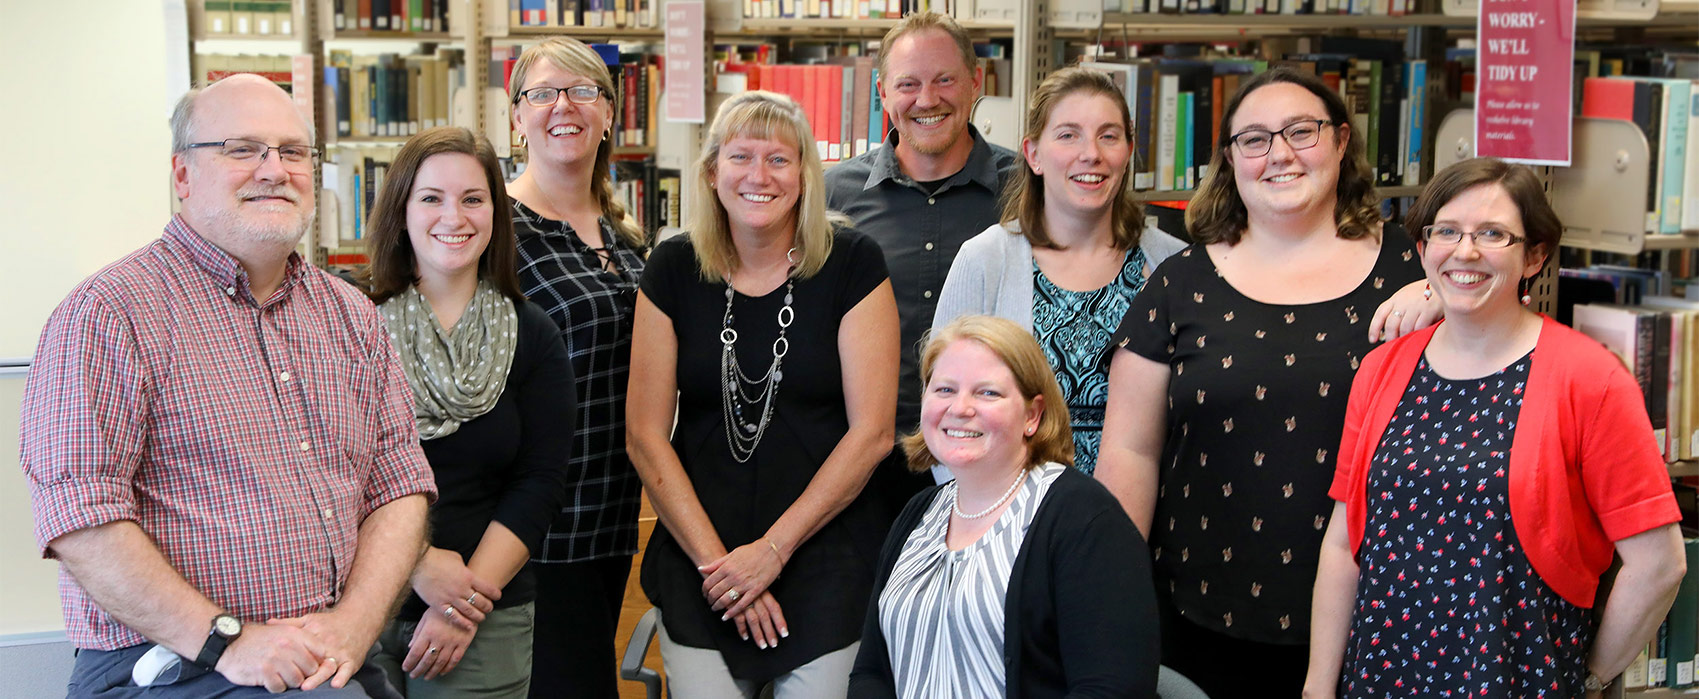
[
  {"x": 105, "y": 674},
  {"x": 700, "y": 673},
  {"x": 496, "y": 665}
]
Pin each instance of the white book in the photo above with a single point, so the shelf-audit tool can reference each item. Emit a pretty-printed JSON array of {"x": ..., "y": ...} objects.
[
  {"x": 1690, "y": 184},
  {"x": 1169, "y": 87}
]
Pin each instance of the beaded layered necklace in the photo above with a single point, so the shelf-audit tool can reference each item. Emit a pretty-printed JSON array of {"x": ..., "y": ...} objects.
[{"x": 738, "y": 391}]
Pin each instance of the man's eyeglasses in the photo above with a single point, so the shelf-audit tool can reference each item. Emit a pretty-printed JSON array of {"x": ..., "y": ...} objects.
[
  {"x": 547, "y": 96},
  {"x": 295, "y": 157},
  {"x": 1299, "y": 135},
  {"x": 1483, "y": 238}
]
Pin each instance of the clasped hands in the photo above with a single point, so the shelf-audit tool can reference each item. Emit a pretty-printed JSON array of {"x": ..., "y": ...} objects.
[
  {"x": 459, "y": 601},
  {"x": 736, "y": 584},
  {"x": 305, "y": 652}
]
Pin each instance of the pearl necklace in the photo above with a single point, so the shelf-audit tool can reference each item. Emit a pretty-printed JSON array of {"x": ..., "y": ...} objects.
[{"x": 957, "y": 506}]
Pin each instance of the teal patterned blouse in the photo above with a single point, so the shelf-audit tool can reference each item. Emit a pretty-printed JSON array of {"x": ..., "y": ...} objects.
[{"x": 1074, "y": 328}]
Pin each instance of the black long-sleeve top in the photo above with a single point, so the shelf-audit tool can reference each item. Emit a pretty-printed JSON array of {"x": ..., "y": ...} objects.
[{"x": 508, "y": 465}]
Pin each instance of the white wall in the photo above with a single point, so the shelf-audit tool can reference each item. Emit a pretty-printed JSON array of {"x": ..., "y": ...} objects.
[
  {"x": 84, "y": 179},
  {"x": 85, "y": 151}
]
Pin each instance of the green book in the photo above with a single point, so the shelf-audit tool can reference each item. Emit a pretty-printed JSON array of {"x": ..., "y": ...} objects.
[
  {"x": 1684, "y": 622},
  {"x": 1182, "y": 141}
]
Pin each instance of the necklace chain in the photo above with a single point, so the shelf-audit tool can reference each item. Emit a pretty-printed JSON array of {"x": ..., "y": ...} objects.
[
  {"x": 957, "y": 506},
  {"x": 739, "y": 390}
]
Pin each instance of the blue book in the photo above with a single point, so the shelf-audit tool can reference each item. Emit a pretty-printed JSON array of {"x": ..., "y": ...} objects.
[{"x": 1416, "y": 81}]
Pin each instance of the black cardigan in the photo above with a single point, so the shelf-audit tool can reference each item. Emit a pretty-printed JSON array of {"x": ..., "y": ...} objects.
[{"x": 1080, "y": 616}]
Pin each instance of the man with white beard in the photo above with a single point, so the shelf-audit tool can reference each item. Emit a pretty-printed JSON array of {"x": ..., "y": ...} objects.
[{"x": 219, "y": 440}]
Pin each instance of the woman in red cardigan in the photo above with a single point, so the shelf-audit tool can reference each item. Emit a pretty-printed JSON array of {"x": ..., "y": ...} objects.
[{"x": 1489, "y": 467}]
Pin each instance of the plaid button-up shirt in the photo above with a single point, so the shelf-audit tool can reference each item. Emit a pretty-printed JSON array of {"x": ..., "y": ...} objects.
[{"x": 249, "y": 439}]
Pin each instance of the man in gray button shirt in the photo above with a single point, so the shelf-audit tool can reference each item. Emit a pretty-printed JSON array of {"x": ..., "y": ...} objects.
[{"x": 934, "y": 185}]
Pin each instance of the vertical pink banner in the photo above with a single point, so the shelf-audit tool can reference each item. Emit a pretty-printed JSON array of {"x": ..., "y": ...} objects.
[
  {"x": 1525, "y": 58},
  {"x": 686, "y": 78}
]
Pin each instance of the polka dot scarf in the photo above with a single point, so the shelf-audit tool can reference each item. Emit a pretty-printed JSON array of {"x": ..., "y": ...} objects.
[{"x": 458, "y": 374}]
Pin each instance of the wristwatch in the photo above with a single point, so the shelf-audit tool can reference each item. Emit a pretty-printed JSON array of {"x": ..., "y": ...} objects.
[
  {"x": 1593, "y": 683},
  {"x": 225, "y": 628}
]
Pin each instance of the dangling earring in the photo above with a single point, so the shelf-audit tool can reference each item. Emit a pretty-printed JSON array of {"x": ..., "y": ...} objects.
[
  {"x": 521, "y": 140},
  {"x": 1525, "y": 286},
  {"x": 1427, "y": 292}
]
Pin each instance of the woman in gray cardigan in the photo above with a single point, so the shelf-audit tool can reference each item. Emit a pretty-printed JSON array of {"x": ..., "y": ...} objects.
[{"x": 1073, "y": 249}]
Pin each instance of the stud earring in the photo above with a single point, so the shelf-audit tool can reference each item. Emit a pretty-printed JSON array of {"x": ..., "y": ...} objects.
[{"x": 1427, "y": 292}]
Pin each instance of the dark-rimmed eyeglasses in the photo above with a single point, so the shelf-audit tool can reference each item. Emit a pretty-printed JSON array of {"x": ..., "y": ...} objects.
[
  {"x": 1483, "y": 238},
  {"x": 547, "y": 96},
  {"x": 1299, "y": 135},
  {"x": 295, "y": 157}
]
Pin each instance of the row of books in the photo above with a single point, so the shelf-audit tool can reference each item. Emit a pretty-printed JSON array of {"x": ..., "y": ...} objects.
[
  {"x": 583, "y": 13},
  {"x": 841, "y": 99},
  {"x": 207, "y": 68},
  {"x": 1658, "y": 339},
  {"x": 1671, "y": 658},
  {"x": 876, "y": 9},
  {"x": 1667, "y": 112},
  {"x": 651, "y": 194},
  {"x": 352, "y": 178},
  {"x": 391, "y": 15},
  {"x": 1269, "y": 7},
  {"x": 248, "y": 17},
  {"x": 1176, "y": 106},
  {"x": 390, "y": 95}
]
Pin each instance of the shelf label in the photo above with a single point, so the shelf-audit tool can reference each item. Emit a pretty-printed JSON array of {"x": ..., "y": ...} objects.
[
  {"x": 1525, "y": 59},
  {"x": 686, "y": 78}
]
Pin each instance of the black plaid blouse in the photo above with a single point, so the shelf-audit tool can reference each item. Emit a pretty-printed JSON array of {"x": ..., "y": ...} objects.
[{"x": 593, "y": 308}]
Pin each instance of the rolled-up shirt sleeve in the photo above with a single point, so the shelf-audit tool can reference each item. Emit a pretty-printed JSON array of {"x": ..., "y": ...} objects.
[
  {"x": 83, "y": 420},
  {"x": 399, "y": 467}
]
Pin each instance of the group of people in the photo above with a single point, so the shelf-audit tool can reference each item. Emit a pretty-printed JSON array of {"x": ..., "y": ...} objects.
[{"x": 945, "y": 420}]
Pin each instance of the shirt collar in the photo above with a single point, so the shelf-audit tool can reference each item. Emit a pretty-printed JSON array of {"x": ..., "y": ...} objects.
[
  {"x": 981, "y": 164},
  {"x": 221, "y": 267}
]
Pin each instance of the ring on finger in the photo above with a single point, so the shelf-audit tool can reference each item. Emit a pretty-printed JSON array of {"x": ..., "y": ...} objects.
[
  {"x": 473, "y": 598},
  {"x": 332, "y": 661},
  {"x": 1397, "y": 313},
  {"x": 732, "y": 594},
  {"x": 432, "y": 649},
  {"x": 448, "y": 611}
]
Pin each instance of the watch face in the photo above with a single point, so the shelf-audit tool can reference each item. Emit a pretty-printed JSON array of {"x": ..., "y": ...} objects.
[{"x": 227, "y": 625}]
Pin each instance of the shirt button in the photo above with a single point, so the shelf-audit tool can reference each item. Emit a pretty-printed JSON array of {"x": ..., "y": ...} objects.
[
  {"x": 229, "y": 291},
  {"x": 931, "y": 200},
  {"x": 327, "y": 513},
  {"x": 927, "y": 294},
  {"x": 283, "y": 376},
  {"x": 305, "y": 446},
  {"x": 928, "y": 246}
]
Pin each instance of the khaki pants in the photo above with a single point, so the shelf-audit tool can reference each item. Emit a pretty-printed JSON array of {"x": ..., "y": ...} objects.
[{"x": 497, "y": 664}]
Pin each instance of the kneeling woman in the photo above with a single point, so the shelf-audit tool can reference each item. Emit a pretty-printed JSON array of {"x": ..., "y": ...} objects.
[
  {"x": 1022, "y": 577},
  {"x": 491, "y": 386},
  {"x": 1490, "y": 465}
]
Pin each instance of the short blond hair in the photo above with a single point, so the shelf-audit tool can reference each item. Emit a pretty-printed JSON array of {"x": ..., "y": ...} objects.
[
  {"x": 924, "y": 21},
  {"x": 1054, "y": 438},
  {"x": 770, "y": 116}
]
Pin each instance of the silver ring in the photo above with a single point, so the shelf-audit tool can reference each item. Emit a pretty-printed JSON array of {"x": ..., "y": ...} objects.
[
  {"x": 332, "y": 660},
  {"x": 472, "y": 599},
  {"x": 448, "y": 611},
  {"x": 732, "y": 595},
  {"x": 1397, "y": 313},
  {"x": 429, "y": 651}
]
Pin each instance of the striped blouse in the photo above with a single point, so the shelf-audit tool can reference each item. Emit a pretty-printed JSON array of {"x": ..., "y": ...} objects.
[{"x": 942, "y": 610}]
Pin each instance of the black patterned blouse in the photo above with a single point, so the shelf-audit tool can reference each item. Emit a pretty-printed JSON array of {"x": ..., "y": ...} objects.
[
  {"x": 593, "y": 307},
  {"x": 1256, "y": 404},
  {"x": 1447, "y": 603}
]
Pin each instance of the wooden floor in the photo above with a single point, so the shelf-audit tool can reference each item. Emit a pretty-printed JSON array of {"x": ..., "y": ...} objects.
[{"x": 636, "y": 604}]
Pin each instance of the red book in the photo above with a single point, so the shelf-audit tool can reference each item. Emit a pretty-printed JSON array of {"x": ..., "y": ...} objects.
[
  {"x": 1608, "y": 98},
  {"x": 811, "y": 105}
]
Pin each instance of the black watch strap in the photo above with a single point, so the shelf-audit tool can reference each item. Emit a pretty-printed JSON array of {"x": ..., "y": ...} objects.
[{"x": 225, "y": 628}]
